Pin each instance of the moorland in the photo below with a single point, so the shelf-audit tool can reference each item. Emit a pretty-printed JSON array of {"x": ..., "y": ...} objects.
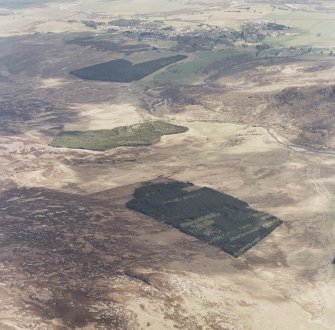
[{"x": 256, "y": 94}]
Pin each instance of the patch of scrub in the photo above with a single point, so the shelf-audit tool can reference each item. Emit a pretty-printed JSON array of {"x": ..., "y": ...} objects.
[{"x": 142, "y": 134}]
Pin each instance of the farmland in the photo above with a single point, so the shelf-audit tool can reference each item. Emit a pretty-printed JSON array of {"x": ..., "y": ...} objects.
[
  {"x": 308, "y": 28},
  {"x": 211, "y": 216},
  {"x": 190, "y": 71},
  {"x": 124, "y": 71},
  {"x": 146, "y": 133}
]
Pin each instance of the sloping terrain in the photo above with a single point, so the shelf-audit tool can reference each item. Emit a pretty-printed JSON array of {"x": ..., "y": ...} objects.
[
  {"x": 71, "y": 261},
  {"x": 303, "y": 115}
]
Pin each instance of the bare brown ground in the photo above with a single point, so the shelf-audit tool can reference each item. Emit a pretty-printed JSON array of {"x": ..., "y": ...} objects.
[
  {"x": 272, "y": 78},
  {"x": 285, "y": 282}
]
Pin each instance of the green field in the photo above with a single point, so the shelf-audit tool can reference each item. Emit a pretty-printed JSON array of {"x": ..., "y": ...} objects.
[
  {"x": 142, "y": 134},
  {"x": 307, "y": 28},
  {"x": 211, "y": 216},
  {"x": 198, "y": 65}
]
